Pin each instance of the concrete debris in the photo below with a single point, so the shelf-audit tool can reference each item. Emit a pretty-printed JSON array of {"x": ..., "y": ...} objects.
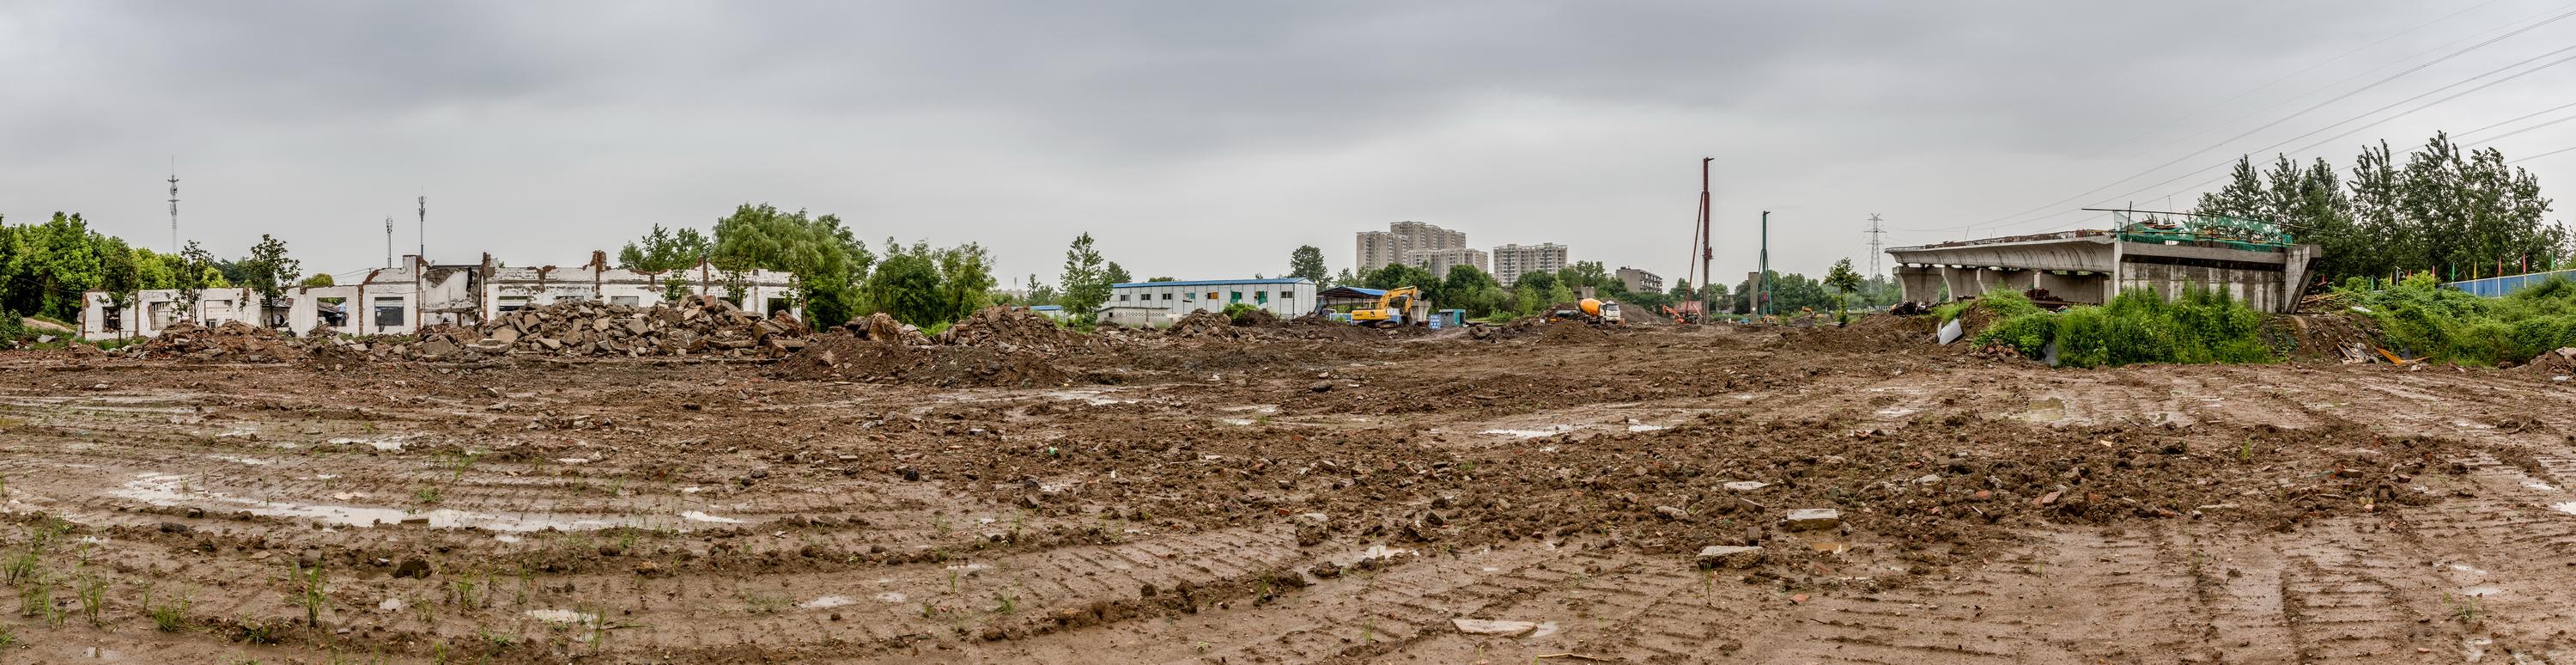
[
  {"x": 1746, "y": 485},
  {"x": 1729, "y": 556},
  {"x": 1814, "y": 518},
  {"x": 1491, "y": 627}
]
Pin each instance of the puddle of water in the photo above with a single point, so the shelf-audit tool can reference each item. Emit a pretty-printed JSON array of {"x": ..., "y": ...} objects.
[
  {"x": 888, "y": 597},
  {"x": 237, "y": 459},
  {"x": 503, "y": 537},
  {"x": 1256, "y": 408},
  {"x": 562, "y": 616},
  {"x": 2568, "y": 507},
  {"x": 2482, "y": 591},
  {"x": 1545, "y": 628},
  {"x": 2540, "y": 486},
  {"x": 971, "y": 566},
  {"x": 697, "y": 516},
  {"x": 572, "y": 460},
  {"x": 2046, "y": 410},
  {"x": 1895, "y": 412},
  {"x": 826, "y": 602},
  {"x": 1376, "y": 552},
  {"x": 386, "y": 445},
  {"x": 1531, "y": 433},
  {"x": 1091, "y": 397},
  {"x": 1645, "y": 427},
  {"x": 1238, "y": 422}
]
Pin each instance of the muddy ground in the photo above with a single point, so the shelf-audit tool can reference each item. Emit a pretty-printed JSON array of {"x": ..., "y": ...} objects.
[{"x": 1288, "y": 498}]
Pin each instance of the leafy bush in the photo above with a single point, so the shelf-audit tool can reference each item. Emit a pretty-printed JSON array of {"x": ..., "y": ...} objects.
[
  {"x": 2422, "y": 319},
  {"x": 2203, "y": 326},
  {"x": 2004, "y": 303},
  {"x": 11, "y": 327},
  {"x": 2026, "y": 333},
  {"x": 1236, "y": 311}
]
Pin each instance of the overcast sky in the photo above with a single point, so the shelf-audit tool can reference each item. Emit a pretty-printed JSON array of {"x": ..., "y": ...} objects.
[{"x": 1204, "y": 139}]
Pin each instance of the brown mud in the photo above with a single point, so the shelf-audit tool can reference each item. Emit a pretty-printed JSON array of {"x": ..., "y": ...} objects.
[{"x": 1286, "y": 491}]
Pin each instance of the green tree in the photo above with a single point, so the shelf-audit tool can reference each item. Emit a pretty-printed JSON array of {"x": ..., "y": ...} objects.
[
  {"x": 120, "y": 275},
  {"x": 1117, "y": 275},
  {"x": 1345, "y": 278},
  {"x": 317, "y": 279},
  {"x": 1469, "y": 288},
  {"x": 269, "y": 272},
  {"x": 196, "y": 274},
  {"x": 826, "y": 259},
  {"x": 1164, "y": 279},
  {"x": 1845, "y": 281},
  {"x": 663, "y": 250},
  {"x": 1308, "y": 262},
  {"x": 965, "y": 281},
  {"x": 905, "y": 285},
  {"x": 1086, "y": 284}
]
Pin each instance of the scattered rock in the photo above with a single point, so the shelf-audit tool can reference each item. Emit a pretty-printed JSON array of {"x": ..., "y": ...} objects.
[
  {"x": 1491, "y": 627},
  {"x": 1814, "y": 518},
  {"x": 1729, "y": 556}
]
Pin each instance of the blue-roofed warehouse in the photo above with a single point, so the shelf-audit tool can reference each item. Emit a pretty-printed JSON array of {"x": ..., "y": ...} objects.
[{"x": 1161, "y": 303}]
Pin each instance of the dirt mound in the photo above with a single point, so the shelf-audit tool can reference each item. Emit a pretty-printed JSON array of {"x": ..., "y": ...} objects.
[
  {"x": 837, "y": 355},
  {"x": 233, "y": 341},
  {"x": 1872, "y": 333},
  {"x": 1259, "y": 318},
  {"x": 1010, "y": 329},
  {"x": 2561, "y": 362},
  {"x": 2322, "y": 337},
  {"x": 883, "y": 328},
  {"x": 1203, "y": 324},
  {"x": 1572, "y": 332}
]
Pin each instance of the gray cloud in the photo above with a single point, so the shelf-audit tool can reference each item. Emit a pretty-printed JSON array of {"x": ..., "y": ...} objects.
[{"x": 1195, "y": 139}]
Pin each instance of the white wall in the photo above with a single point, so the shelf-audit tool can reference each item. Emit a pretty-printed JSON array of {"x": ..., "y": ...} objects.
[{"x": 1298, "y": 301}]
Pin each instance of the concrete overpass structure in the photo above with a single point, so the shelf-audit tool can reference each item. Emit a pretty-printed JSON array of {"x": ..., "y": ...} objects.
[{"x": 2091, "y": 266}]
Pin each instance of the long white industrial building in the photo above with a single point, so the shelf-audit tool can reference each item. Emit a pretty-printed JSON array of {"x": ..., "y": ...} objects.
[{"x": 399, "y": 300}]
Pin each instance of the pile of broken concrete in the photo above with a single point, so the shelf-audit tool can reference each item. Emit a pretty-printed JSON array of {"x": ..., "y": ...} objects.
[
  {"x": 695, "y": 326},
  {"x": 233, "y": 341}
]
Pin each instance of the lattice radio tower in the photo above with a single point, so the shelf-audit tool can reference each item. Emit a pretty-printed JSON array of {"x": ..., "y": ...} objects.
[
  {"x": 1874, "y": 232},
  {"x": 174, "y": 205}
]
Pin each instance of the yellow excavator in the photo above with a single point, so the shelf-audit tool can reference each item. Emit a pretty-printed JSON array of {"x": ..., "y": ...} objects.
[{"x": 1395, "y": 308}]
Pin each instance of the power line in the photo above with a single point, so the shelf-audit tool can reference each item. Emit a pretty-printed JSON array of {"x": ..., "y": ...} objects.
[
  {"x": 2545, "y": 154},
  {"x": 2311, "y": 108},
  {"x": 2313, "y": 67},
  {"x": 2526, "y": 116},
  {"x": 2500, "y": 137},
  {"x": 2369, "y": 125}
]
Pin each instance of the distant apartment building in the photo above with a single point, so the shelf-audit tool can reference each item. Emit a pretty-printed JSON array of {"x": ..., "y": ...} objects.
[
  {"x": 1513, "y": 261},
  {"x": 1438, "y": 261},
  {"x": 1639, "y": 281},
  {"x": 1379, "y": 249}
]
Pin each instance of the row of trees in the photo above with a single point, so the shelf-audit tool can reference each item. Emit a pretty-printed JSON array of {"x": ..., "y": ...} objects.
[
  {"x": 2446, "y": 210},
  {"x": 44, "y": 268},
  {"x": 836, "y": 276}
]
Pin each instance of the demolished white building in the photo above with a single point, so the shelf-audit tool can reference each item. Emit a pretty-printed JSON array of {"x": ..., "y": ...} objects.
[{"x": 398, "y": 300}]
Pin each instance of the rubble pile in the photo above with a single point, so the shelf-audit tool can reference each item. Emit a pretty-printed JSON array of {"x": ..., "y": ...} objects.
[
  {"x": 1012, "y": 330},
  {"x": 233, "y": 341},
  {"x": 1203, "y": 324},
  {"x": 880, "y": 327},
  {"x": 700, "y": 325},
  {"x": 2554, "y": 364}
]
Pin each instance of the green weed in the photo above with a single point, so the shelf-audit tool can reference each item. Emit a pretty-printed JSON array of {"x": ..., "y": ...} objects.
[
  {"x": 168, "y": 618},
  {"x": 312, "y": 591},
  {"x": 92, "y": 590}
]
